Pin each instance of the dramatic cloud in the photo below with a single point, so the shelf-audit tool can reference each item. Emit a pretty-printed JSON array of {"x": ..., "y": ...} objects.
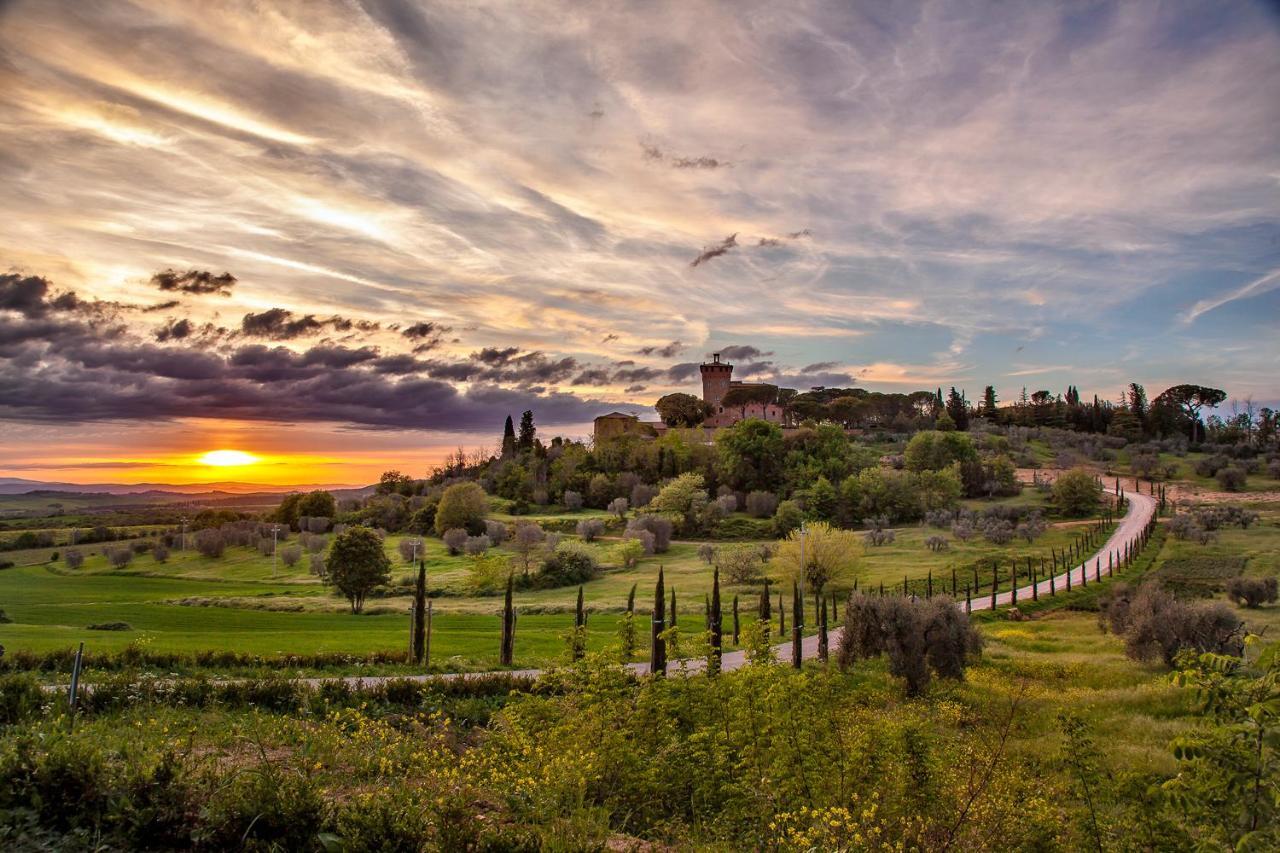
[
  {"x": 742, "y": 352},
  {"x": 279, "y": 324},
  {"x": 667, "y": 351},
  {"x": 199, "y": 282},
  {"x": 715, "y": 250}
]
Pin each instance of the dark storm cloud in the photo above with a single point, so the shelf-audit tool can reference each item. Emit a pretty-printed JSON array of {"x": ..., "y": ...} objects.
[
  {"x": 174, "y": 330},
  {"x": 427, "y": 336},
  {"x": 755, "y": 368},
  {"x": 494, "y": 356},
  {"x": 593, "y": 376},
  {"x": 195, "y": 282},
  {"x": 638, "y": 374},
  {"x": 682, "y": 372},
  {"x": 715, "y": 250},
  {"x": 744, "y": 352},
  {"x": 279, "y": 324},
  {"x": 667, "y": 351},
  {"x": 818, "y": 366},
  {"x": 24, "y": 294}
]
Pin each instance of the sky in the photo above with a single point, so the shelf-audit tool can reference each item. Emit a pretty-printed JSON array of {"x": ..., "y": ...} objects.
[{"x": 350, "y": 236}]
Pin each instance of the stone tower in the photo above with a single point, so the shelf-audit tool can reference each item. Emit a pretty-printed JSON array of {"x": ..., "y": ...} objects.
[{"x": 715, "y": 381}]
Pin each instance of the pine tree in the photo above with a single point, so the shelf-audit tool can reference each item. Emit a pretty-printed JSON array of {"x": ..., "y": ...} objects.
[
  {"x": 527, "y": 431},
  {"x": 508, "y": 439},
  {"x": 420, "y": 614},
  {"x": 989, "y": 402}
]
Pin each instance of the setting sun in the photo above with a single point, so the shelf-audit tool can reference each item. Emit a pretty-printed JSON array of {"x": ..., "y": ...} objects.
[{"x": 226, "y": 458}]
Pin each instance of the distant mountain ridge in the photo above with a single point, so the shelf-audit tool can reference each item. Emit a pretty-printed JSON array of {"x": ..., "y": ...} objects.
[{"x": 19, "y": 486}]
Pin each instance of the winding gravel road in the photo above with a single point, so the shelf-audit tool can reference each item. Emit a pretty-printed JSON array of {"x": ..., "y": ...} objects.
[{"x": 1140, "y": 512}]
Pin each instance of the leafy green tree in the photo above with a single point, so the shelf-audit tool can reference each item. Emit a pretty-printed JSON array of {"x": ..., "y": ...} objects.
[
  {"x": 357, "y": 563},
  {"x": 1077, "y": 493},
  {"x": 682, "y": 410},
  {"x": 390, "y": 483},
  {"x": 463, "y": 505},
  {"x": 822, "y": 503},
  {"x": 684, "y": 497},
  {"x": 317, "y": 503},
  {"x": 787, "y": 518},
  {"x": 750, "y": 454},
  {"x": 932, "y": 450},
  {"x": 1189, "y": 400},
  {"x": 831, "y": 556}
]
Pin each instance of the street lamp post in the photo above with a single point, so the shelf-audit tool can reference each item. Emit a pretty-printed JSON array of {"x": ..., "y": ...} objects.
[
  {"x": 182, "y": 546},
  {"x": 275, "y": 546}
]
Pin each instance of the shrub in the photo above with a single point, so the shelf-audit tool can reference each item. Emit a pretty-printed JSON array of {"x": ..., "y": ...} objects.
[
  {"x": 1252, "y": 592},
  {"x": 658, "y": 525},
  {"x": 74, "y": 558},
  {"x": 590, "y": 529},
  {"x": 918, "y": 635},
  {"x": 618, "y": 507},
  {"x": 644, "y": 537},
  {"x": 110, "y": 626},
  {"x": 160, "y": 553},
  {"x": 409, "y": 548},
  {"x": 568, "y": 564},
  {"x": 572, "y": 500},
  {"x": 1209, "y": 466},
  {"x": 997, "y": 531},
  {"x": 1273, "y": 469},
  {"x": 787, "y": 518},
  {"x": 1032, "y": 528},
  {"x": 741, "y": 564},
  {"x": 1158, "y": 625},
  {"x": 119, "y": 557},
  {"x": 1076, "y": 493},
  {"x": 642, "y": 494},
  {"x": 939, "y": 518},
  {"x": 937, "y": 543},
  {"x": 728, "y": 503},
  {"x": 1231, "y": 479},
  {"x": 496, "y": 531},
  {"x": 463, "y": 505},
  {"x": 761, "y": 504},
  {"x": 455, "y": 540},
  {"x": 629, "y": 551},
  {"x": 210, "y": 542},
  {"x": 963, "y": 530},
  {"x": 290, "y": 555},
  {"x": 476, "y": 545},
  {"x": 317, "y": 565}
]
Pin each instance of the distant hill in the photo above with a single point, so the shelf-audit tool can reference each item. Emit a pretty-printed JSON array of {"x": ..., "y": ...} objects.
[{"x": 20, "y": 486}]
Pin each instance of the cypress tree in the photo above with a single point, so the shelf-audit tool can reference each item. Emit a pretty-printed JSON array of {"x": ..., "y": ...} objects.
[
  {"x": 822, "y": 632},
  {"x": 714, "y": 618},
  {"x": 735, "y": 620},
  {"x": 658, "y": 648},
  {"x": 955, "y": 585},
  {"x": 706, "y": 612},
  {"x": 579, "y": 628},
  {"x": 673, "y": 607},
  {"x": 782, "y": 618},
  {"x": 764, "y": 616},
  {"x": 797, "y": 627},
  {"x": 1068, "y": 580},
  {"x": 508, "y": 439},
  {"x": 968, "y": 603},
  {"x": 1097, "y": 570},
  {"x": 977, "y": 585},
  {"x": 1053, "y": 586},
  {"x": 995, "y": 585},
  {"x": 929, "y": 588},
  {"x": 506, "y": 652},
  {"x": 420, "y": 614},
  {"x": 631, "y": 600},
  {"x": 1013, "y": 588}
]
